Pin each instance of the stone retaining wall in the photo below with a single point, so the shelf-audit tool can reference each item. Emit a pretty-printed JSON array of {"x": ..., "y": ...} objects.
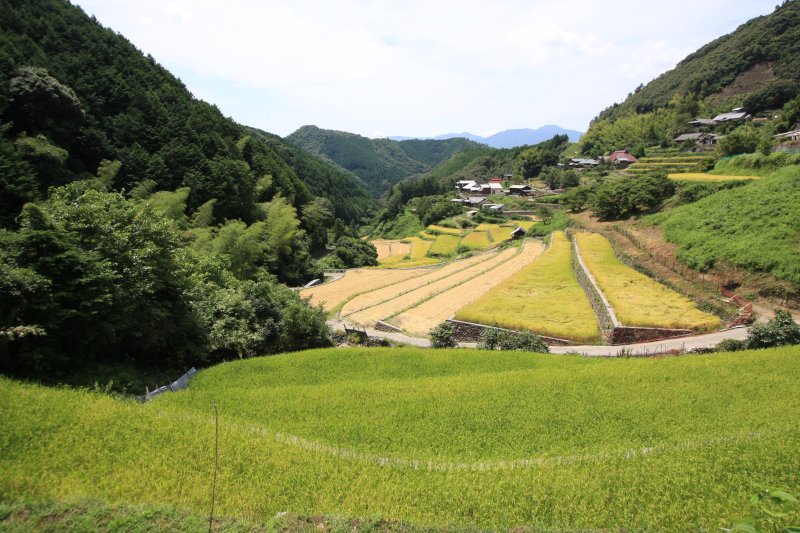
[
  {"x": 380, "y": 325},
  {"x": 632, "y": 335},
  {"x": 604, "y": 318},
  {"x": 471, "y": 332}
]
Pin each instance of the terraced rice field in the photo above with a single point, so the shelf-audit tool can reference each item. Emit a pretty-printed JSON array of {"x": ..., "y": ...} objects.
[
  {"x": 445, "y": 245},
  {"x": 698, "y": 176},
  {"x": 362, "y": 298},
  {"x": 543, "y": 297},
  {"x": 455, "y": 440},
  {"x": 443, "y": 230},
  {"x": 477, "y": 240},
  {"x": 398, "y": 301},
  {"x": 331, "y": 294},
  {"x": 420, "y": 319},
  {"x": 637, "y": 299},
  {"x": 501, "y": 233},
  {"x": 419, "y": 247},
  {"x": 391, "y": 248}
]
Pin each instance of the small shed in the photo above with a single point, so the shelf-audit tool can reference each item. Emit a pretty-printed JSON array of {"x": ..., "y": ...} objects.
[
  {"x": 520, "y": 190},
  {"x": 518, "y": 232}
]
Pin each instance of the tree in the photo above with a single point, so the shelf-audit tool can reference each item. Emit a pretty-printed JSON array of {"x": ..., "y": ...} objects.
[
  {"x": 353, "y": 252},
  {"x": 442, "y": 336},
  {"x": 779, "y": 331},
  {"x": 498, "y": 339},
  {"x": 316, "y": 218}
]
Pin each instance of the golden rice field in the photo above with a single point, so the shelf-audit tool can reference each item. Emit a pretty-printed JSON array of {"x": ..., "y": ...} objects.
[
  {"x": 420, "y": 319},
  {"x": 443, "y": 229},
  {"x": 362, "y": 298},
  {"x": 524, "y": 224},
  {"x": 477, "y": 240},
  {"x": 400, "y": 301},
  {"x": 699, "y": 176},
  {"x": 445, "y": 245},
  {"x": 637, "y": 299},
  {"x": 391, "y": 248},
  {"x": 333, "y": 293},
  {"x": 501, "y": 233},
  {"x": 427, "y": 236},
  {"x": 544, "y": 297},
  {"x": 419, "y": 247}
]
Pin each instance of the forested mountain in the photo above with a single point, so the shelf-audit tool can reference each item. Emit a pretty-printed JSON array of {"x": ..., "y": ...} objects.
[
  {"x": 87, "y": 94},
  {"x": 378, "y": 162},
  {"x": 507, "y": 138},
  {"x": 772, "y": 39},
  {"x": 138, "y": 225}
]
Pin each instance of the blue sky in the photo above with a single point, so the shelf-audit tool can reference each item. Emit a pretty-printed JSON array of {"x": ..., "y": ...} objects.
[{"x": 418, "y": 68}]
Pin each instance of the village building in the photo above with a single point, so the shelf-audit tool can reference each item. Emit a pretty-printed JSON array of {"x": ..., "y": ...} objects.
[
  {"x": 735, "y": 115},
  {"x": 476, "y": 201},
  {"x": 793, "y": 135},
  {"x": 494, "y": 208},
  {"x": 582, "y": 163},
  {"x": 621, "y": 158},
  {"x": 518, "y": 232},
  {"x": 701, "y": 122},
  {"x": 699, "y": 138},
  {"x": 463, "y": 185},
  {"x": 495, "y": 188},
  {"x": 520, "y": 190}
]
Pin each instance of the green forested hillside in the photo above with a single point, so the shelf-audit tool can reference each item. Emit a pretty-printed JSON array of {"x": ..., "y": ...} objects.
[
  {"x": 378, "y": 162},
  {"x": 139, "y": 227},
  {"x": 756, "y": 67},
  {"x": 88, "y": 94},
  {"x": 772, "y": 39}
]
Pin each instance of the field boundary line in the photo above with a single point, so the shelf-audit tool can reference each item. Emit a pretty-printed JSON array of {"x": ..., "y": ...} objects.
[
  {"x": 628, "y": 454},
  {"x": 477, "y": 264},
  {"x": 612, "y": 315},
  {"x": 451, "y": 287},
  {"x": 339, "y": 315}
]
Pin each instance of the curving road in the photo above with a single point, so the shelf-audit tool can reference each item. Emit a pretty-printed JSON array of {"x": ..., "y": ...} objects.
[{"x": 707, "y": 340}]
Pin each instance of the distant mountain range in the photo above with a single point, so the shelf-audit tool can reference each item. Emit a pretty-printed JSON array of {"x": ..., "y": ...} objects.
[{"x": 507, "y": 138}]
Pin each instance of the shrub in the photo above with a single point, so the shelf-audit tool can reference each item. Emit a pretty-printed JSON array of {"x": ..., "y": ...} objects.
[
  {"x": 731, "y": 345},
  {"x": 779, "y": 331},
  {"x": 442, "y": 336},
  {"x": 498, "y": 339}
]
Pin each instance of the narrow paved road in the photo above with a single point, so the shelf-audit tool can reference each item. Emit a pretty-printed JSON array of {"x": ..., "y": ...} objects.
[{"x": 707, "y": 340}]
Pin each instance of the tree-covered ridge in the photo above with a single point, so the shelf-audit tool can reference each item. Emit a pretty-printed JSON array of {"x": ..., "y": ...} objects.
[
  {"x": 90, "y": 92},
  {"x": 773, "y": 39},
  {"x": 379, "y": 163}
]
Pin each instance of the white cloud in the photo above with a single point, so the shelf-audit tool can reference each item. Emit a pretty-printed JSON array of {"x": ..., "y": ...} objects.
[{"x": 414, "y": 67}]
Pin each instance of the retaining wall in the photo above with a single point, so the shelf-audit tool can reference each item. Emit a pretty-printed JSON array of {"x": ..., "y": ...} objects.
[{"x": 471, "y": 332}]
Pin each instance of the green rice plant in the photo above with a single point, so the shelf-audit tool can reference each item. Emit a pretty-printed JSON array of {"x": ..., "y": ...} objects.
[
  {"x": 452, "y": 439},
  {"x": 544, "y": 297},
  {"x": 477, "y": 240},
  {"x": 419, "y": 247},
  {"x": 444, "y": 245},
  {"x": 424, "y": 235},
  {"x": 500, "y": 234},
  {"x": 637, "y": 299},
  {"x": 434, "y": 229}
]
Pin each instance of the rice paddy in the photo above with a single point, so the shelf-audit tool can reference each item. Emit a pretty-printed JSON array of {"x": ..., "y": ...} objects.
[
  {"x": 434, "y": 229},
  {"x": 637, "y": 299},
  {"x": 445, "y": 245},
  {"x": 331, "y": 294},
  {"x": 698, "y": 176},
  {"x": 391, "y": 248},
  {"x": 440, "y": 438},
  {"x": 477, "y": 240},
  {"x": 544, "y": 297},
  {"x": 420, "y": 319}
]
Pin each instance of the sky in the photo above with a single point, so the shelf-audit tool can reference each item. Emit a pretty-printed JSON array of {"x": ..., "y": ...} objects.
[{"x": 418, "y": 67}]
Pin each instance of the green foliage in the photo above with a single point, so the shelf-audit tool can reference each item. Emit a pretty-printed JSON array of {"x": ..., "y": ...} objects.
[
  {"x": 755, "y": 164},
  {"x": 172, "y": 205},
  {"x": 430, "y": 209},
  {"x": 622, "y": 197},
  {"x": 556, "y": 178},
  {"x": 687, "y": 192},
  {"x": 442, "y": 336},
  {"x": 742, "y": 140},
  {"x": 18, "y": 183},
  {"x": 498, "y": 339},
  {"x": 778, "y": 331},
  {"x": 353, "y": 252},
  {"x": 578, "y": 198},
  {"x": 753, "y": 227}
]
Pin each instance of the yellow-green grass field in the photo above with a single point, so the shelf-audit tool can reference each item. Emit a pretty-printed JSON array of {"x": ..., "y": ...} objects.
[
  {"x": 434, "y": 229},
  {"x": 699, "y": 176},
  {"x": 544, "y": 297},
  {"x": 439, "y": 438},
  {"x": 637, "y": 299},
  {"x": 524, "y": 224},
  {"x": 477, "y": 240},
  {"x": 445, "y": 245},
  {"x": 501, "y": 233},
  {"x": 427, "y": 236}
]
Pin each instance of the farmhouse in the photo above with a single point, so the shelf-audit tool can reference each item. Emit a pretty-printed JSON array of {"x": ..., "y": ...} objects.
[
  {"x": 793, "y": 135},
  {"x": 495, "y": 187},
  {"x": 495, "y": 180},
  {"x": 581, "y": 163},
  {"x": 520, "y": 190},
  {"x": 621, "y": 158},
  {"x": 476, "y": 201},
  {"x": 701, "y": 122},
  {"x": 736, "y": 115},
  {"x": 518, "y": 233},
  {"x": 494, "y": 208},
  {"x": 698, "y": 137},
  {"x": 463, "y": 185}
]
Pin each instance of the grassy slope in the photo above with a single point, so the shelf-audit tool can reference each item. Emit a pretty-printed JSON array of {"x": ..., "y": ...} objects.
[
  {"x": 711, "y": 425},
  {"x": 754, "y": 227}
]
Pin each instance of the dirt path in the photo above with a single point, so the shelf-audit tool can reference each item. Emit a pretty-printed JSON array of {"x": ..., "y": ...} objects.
[{"x": 681, "y": 344}]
